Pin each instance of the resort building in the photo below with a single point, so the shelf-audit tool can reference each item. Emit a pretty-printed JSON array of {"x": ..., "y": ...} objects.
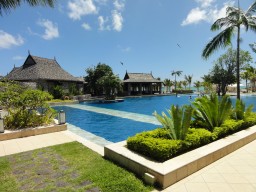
[
  {"x": 43, "y": 73},
  {"x": 141, "y": 84}
]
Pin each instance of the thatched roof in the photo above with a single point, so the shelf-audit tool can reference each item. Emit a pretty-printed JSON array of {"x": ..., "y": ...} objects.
[
  {"x": 38, "y": 68},
  {"x": 140, "y": 78}
]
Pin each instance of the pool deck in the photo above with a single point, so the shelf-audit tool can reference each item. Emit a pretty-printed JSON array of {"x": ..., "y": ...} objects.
[{"x": 232, "y": 173}]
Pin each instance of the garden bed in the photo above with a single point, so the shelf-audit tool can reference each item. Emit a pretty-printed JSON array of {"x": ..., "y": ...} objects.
[
  {"x": 171, "y": 171},
  {"x": 14, "y": 134}
]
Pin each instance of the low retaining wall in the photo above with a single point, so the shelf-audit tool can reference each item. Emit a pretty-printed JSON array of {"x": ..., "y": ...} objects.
[
  {"x": 175, "y": 169},
  {"x": 31, "y": 132}
]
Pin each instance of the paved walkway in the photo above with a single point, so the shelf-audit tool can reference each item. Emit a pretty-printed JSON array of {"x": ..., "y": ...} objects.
[{"x": 233, "y": 173}]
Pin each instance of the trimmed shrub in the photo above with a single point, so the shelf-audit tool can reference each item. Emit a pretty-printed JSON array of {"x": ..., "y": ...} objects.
[
  {"x": 228, "y": 127},
  {"x": 156, "y": 148},
  {"x": 197, "y": 137},
  {"x": 157, "y": 144}
]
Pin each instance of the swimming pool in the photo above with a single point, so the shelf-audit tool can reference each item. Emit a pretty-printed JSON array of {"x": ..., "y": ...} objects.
[{"x": 117, "y": 121}]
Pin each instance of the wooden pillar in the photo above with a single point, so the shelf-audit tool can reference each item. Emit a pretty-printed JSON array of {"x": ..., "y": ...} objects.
[
  {"x": 140, "y": 89},
  {"x": 151, "y": 87},
  {"x": 129, "y": 89}
]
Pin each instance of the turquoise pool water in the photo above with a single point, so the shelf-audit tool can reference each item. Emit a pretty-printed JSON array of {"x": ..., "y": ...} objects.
[{"x": 117, "y": 121}]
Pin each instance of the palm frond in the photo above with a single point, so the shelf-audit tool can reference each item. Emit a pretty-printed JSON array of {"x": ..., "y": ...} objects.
[
  {"x": 252, "y": 8},
  {"x": 245, "y": 21},
  {"x": 7, "y": 5},
  {"x": 223, "y": 39}
]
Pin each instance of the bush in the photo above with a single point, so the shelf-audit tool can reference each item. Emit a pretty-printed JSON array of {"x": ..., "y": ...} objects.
[
  {"x": 197, "y": 137},
  {"x": 157, "y": 144},
  {"x": 228, "y": 127},
  {"x": 57, "y": 92},
  {"x": 26, "y": 107},
  {"x": 155, "y": 148}
]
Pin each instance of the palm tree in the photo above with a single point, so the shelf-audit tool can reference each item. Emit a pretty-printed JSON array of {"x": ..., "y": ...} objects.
[
  {"x": 189, "y": 80},
  {"x": 184, "y": 83},
  {"x": 7, "y": 5},
  {"x": 175, "y": 73},
  {"x": 232, "y": 23},
  {"x": 197, "y": 85},
  {"x": 246, "y": 75}
]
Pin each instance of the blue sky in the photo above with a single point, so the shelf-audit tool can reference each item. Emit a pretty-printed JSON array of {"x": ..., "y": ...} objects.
[{"x": 142, "y": 34}]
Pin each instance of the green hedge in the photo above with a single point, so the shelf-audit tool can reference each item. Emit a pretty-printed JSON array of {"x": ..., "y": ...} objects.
[{"x": 157, "y": 144}]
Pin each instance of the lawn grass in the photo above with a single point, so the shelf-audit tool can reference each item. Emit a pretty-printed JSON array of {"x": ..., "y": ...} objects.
[{"x": 66, "y": 167}]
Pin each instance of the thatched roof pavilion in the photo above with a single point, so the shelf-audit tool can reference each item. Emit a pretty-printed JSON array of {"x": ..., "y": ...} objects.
[
  {"x": 141, "y": 84},
  {"x": 42, "y": 72}
]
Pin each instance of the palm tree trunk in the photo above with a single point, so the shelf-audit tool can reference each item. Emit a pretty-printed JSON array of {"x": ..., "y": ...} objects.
[{"x": 237, "y": 63}]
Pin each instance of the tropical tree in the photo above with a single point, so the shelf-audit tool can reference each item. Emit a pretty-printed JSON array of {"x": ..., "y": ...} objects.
[
  {"x": 168, "y": 83},
  {"x": 93, "y": 75},
  {"x": 188, "y": 78},
  {"x": 7, "y": 5},
  {"x": 246, "y": 75},
  {"x": 184, "y": 83},
  {"x": 197, "y": 85},
  {"x": 232, "y": 23},
  {"x": 253, "y": 46},
  {"x": 111, "y": 85},
  {"x": 175, "y": 73}
]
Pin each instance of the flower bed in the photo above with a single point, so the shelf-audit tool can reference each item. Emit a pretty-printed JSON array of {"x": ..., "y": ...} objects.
[
  {"x": 157, "y": 145},
  {"x": 26, "y": 132}
]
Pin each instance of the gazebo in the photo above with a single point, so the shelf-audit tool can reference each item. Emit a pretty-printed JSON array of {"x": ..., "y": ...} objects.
[{"x": 141, "y": 84}]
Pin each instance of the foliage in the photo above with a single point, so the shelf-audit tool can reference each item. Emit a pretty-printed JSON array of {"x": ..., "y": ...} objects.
[
  {"x": 175, "y": 73},
  {"x": 228, "y": 127},
  {"x": 156, "y": 144},
  {"x": 93, "y": 76},
  {"x": 73, "y": 90},
  {"x": 26, "y": 107},
  {"x": 240, "y": 112},
  {"x": 197, "y": 85},
  {"x": 231, "y": 24},
  {"x": 197, "y": 137},
  {"x": 57, "y": 92},
  {"x": 188, "y": 78},
  {"x": 7, "y": 5},
  {"x": 111, "y": 85},
  {"x": 253, "y": 46},
  {"x": 178, "y": 121},
  {"x": 210, "y": 111},
  {"x": 223, "y": 72},
  {"x": 156, "y": 148}
]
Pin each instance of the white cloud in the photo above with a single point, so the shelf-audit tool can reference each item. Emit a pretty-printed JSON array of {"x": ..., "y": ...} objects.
[
  {"x": 7, "y": 40},
  {"x": 206, "y": 11},
  {"x": 51, "y": 30},
  {"x": 119, "y": 4},
  {"x": 196, "y": 15},
  {"x": 103, "y": 23},
  {"x": 79, "y": 8},
  {"x": 205, "y": 3},
  {"x": 86, "y": 26},
  {"x": 117, "y": 21},
  {"x": 18, "y": 57},
  {"x": 102, "y": 2}
]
